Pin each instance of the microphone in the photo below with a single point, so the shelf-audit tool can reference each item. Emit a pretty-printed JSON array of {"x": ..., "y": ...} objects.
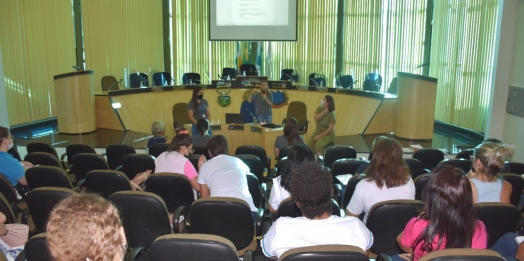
[
  {"x": 290, "y": 77},
  {"x": 422, "y": 65},
  {"x": 316, "y": 83},
  {"x": 250, "y": 113}
]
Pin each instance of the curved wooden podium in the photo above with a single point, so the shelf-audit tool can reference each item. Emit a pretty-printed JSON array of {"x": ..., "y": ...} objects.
[
  {"x": 75, "y": 102},
  {"x": 416, "y": 97}
]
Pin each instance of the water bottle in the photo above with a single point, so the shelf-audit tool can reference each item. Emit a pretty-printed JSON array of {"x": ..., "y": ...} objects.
[
  {"x": 255, "y": 120},
  {"x": 229, "y": 79},
  {"x": 244, "y": 73},
  {"x": 321, "y": 83}
]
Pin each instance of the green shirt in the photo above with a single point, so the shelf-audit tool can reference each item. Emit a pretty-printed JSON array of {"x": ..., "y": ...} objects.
[{"x": 323, "y": 123}]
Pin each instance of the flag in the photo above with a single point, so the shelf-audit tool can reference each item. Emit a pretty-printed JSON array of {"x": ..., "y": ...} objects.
[
  {"x": 258, "y": 63},
  {"x": 238, "y": 59},
  {"x": 269, "y": 61}
]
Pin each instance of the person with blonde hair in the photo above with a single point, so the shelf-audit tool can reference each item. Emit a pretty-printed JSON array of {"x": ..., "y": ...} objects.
[
  {"x": 158, "y": 129},
  {"x": 488, "y": 160},
  {"x": 86, "y": 227}
]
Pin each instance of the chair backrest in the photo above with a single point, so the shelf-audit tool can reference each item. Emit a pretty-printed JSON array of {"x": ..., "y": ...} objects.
[
  {"x": 416, "y": 167},
  {"x": 420, "y": 183},
  {"x": 231, "y": 72},
  {"x": 144, "y": 216},
  {"x": 116, "y": 152},
  {"x": 133, "y": 164},
  {"x": 257, "y": 151},
  {"x": 283, "y": 152},
  {"x": 223, "y": 216},
  {"x": 41, "y": 202},
  {"x": 41, "y": 147},
  {"x": 193, "y": 158},
  {"x": 281, "y": 166},
  {"x": 254, "y": 163},
  {"x": 499, "y": 219},
  {"x": 316, "y": 79},
  {"x": 464, "y": 154},
  {"x": 325, "y": 253},
  {"x": 85, "y": 162},
  {"x": 346, "y": 166},
  {"x": 255, "y": 191},
  {"x": 288, "y": 75},
  {"x": 174, "y": 189},
  {"x": 47, "y": 176},
  {"x": 516, "y": 167},
  {"x": 298, "y": 110},
  {"x": 336, "y": 152},
  {"x": 386, "y": 220},
  {"x": 180, "y": 116},
  {"x": 5, "y": 208},
  {"x": 156, "y": 149},
  {"x": 109, "y": 81},
  {"x": 350, "y": 188},
  {"x": 517, "y": 185},
  {"x": 288, "y": 208},
  {"x": 36, "y": 249},
  {"x": 248, "y": 69},
  {"x": 429, "y": 157},
  {"x": 14, "y": 151},
  {"x": 73, "y": 149},
  {"x": 138, "y": 79},
  {"x": 201, "y": 150},
  {"x": 43, "y": 159},
  {"x": 346, "y": 81},
  {"x": 463, "y": 164},
  {"x": 162, "y": 79},
  {"x": 7, "y": 189},
  {"x": 191, "y": 77},
  {"x": 462, "y": 254},
  {"x": 195, "y": 247},
  {"x": 106, "y": 182}
]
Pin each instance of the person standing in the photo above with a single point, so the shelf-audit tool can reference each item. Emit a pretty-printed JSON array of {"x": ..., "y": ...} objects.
[
  {"x": 263, "y": 103},
  {"x": 326, "y": 119},
  {"x": 197, "y": 109}
]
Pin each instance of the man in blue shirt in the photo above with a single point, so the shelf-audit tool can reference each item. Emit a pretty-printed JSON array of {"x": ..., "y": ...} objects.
[{"x": 10, "y": 167}]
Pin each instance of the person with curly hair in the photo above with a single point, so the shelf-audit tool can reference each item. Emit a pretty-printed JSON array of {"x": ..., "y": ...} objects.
[
  {"x": 488, "y": 161},
  {"x": 311, "y": 190},
  {"x": 447, "y": 219},
  {"x": 175, "y": 161},
  {"x": 280, "y": 189},
  {"x": 387, "y": 178},
  {"x": 86, "y": 227}
]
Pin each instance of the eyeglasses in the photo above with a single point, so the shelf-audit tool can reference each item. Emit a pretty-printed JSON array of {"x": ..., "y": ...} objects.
[{"x": 192, "y": 150}]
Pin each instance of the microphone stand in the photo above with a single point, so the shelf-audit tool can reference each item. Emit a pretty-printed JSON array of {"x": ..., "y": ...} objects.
[{"x": 110, "y": 86}]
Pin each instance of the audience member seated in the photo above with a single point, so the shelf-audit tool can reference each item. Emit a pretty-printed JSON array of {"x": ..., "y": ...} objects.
[
  {"x": 448, "y": 210},
  {"x": 175, "y": 161},
  {"x": 280, "y": 190},
  {"x": 85, "y": 227},
  {"x": 203, "y": 135},
  {"x": 13, "y": 237},
  {"x": 223, "y": 175},
  {"x": 10, "y": 167},
  {"x": 508, "y": 247},
  {"x": 364, "y": 166},
  {"x": 158, "y": 129},
  {"x": 312, "y": 188},
  {"x": 487, "y": 161},
  {"x": 290, "y": 137},
  {"x": 387, "y": 178}
]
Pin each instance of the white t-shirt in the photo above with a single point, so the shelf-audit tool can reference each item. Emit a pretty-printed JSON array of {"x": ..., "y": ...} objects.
[
  {"x": 225, "y": 176},
  {"x": 278, "y": 194},
  {"x": 368, "y": 194},
  {"x": 289, "y": 233}
]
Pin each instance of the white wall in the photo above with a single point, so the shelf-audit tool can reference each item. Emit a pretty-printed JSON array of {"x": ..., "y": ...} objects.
[{"x": 513, "y": 125}]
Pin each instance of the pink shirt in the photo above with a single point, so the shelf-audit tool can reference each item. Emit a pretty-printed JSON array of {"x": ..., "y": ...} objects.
[
  {"x": 416, "y": 225},
  {"x": 173, "y": 162}
]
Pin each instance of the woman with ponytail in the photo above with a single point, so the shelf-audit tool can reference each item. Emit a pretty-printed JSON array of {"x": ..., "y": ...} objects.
[
  {"x": 487, "y": 162},
  {"x": 447, "y": 219}
]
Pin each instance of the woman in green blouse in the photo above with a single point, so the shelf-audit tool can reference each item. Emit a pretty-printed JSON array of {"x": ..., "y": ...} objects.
[{"x": 324, "y": 133}]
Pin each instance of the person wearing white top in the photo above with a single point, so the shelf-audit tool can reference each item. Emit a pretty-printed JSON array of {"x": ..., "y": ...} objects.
[
  {"x": 387, "y": 178},
  {"x": 223, "y": 175},
  {"x": 280, "y": 190},
  {"x": 312, "y": 188}
]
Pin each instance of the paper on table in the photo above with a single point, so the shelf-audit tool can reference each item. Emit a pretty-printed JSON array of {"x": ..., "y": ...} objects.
[{"x": 519, "y": 239}]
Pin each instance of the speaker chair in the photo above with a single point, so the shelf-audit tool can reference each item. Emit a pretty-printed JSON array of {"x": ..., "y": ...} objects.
[
  {"x": 298, "y": 110},
  {"x": 106, "y": 182},
  {"x": 195, "y": 247},
  {"x": 228, "y": 72},
  {"x": 191, "y": 78},
  {"x": 372, "y": 82},
  {"x": 109, "y": 83},
  {"x": 317, "y": 80},
  {"x": 137, "y": 80},
  {"x": 386, "y": 220},
  {"x": 248, "y": 69},
  {"x": 116, "y": 152},
  {"x": 325, "y": 253},
  {"x": 288, "y": 75},
  {"x": 180, "y": 116},
  {"x": 162, "y": 79},
  {"x": 346, "y": 81}
]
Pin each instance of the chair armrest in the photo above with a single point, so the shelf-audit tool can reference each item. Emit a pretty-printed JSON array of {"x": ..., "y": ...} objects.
[
  {"x": 258, "y": 223},
  {"x": 25, "y": 216},
  {"x": 133, "y": 254},
  {"x": 79, "y": 185},
  {"x": 119, "y": 167},
  {"x": 427, "y": 170},
  {"x": 104, "y": 155},
  {"x": 62, "y": 157},
  {"x": 180, "y": 211},
  {"x": 21, "y": 256},
  {"x": 337, "y": 193},
  {"x": 248, "y": 256}
]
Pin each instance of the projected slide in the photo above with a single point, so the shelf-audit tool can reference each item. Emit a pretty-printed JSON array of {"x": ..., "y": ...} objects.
[{"x": 252, "y": 12}]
